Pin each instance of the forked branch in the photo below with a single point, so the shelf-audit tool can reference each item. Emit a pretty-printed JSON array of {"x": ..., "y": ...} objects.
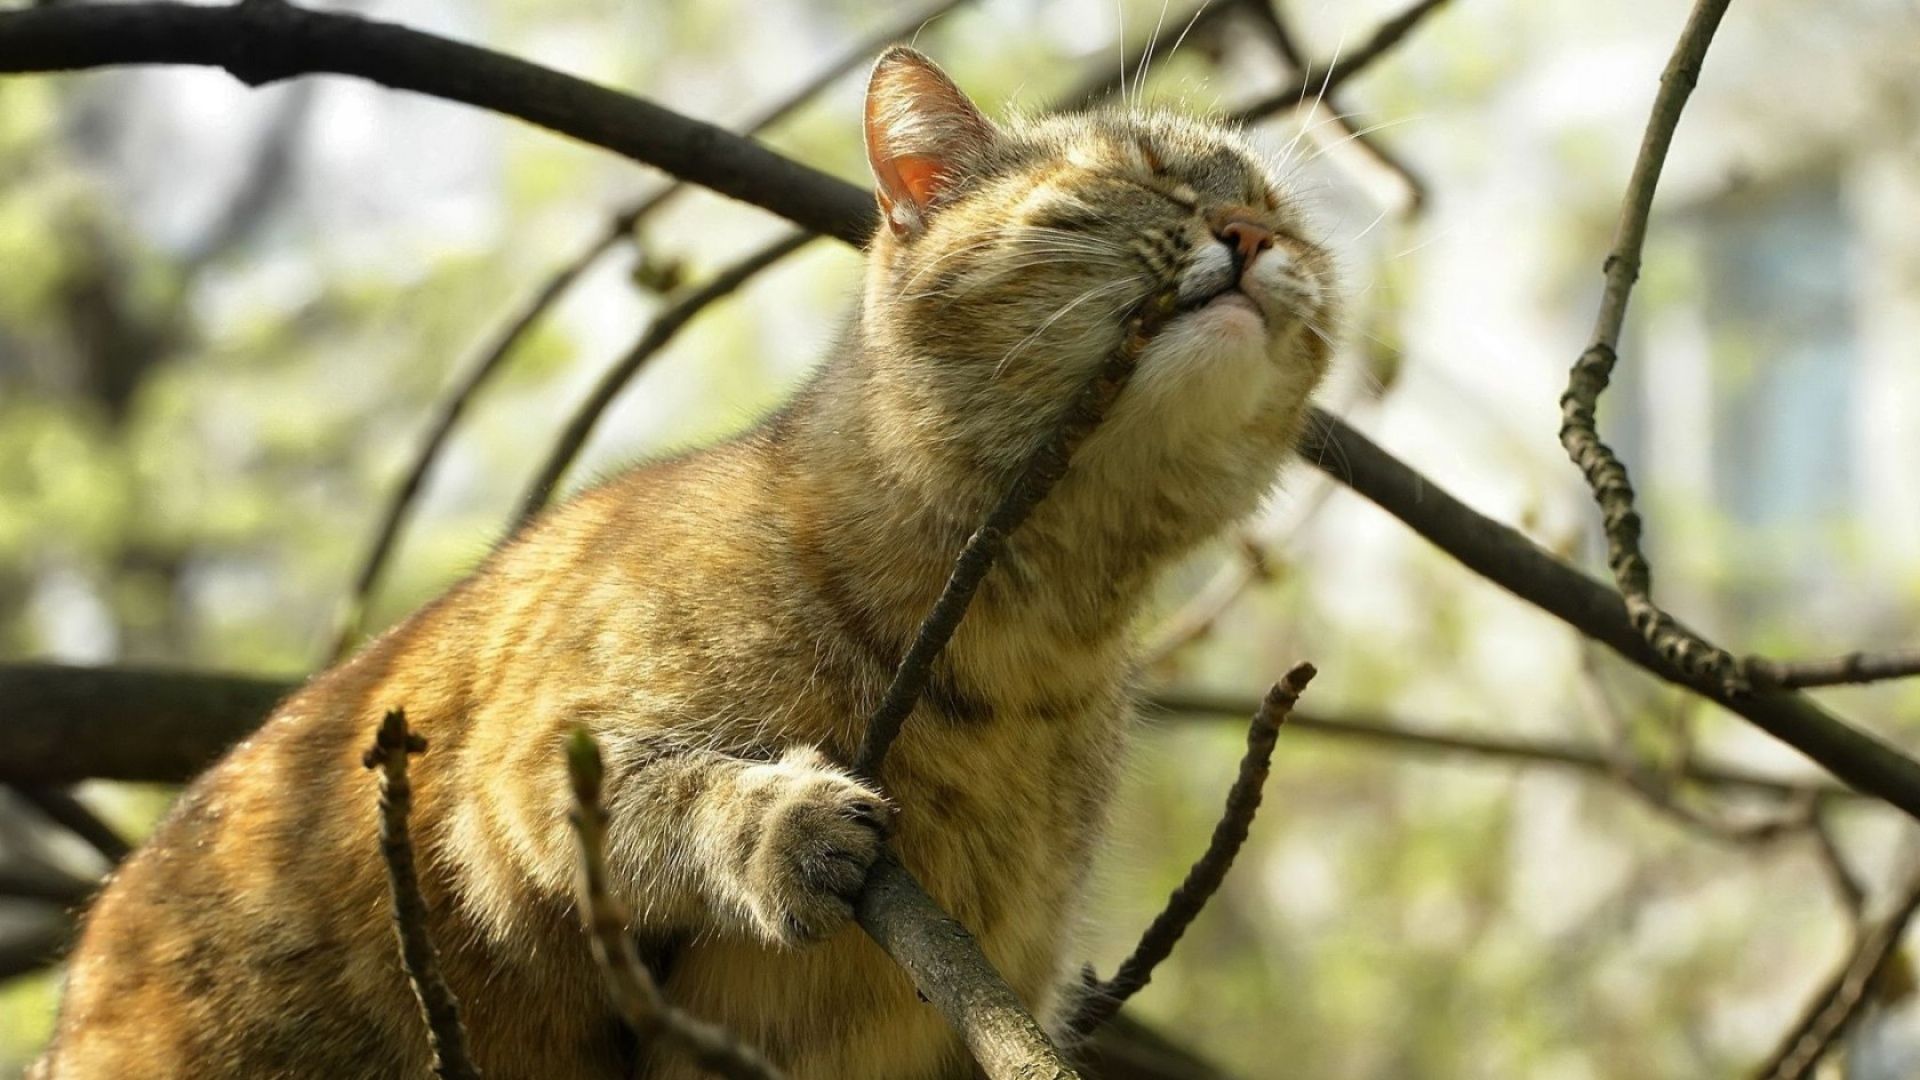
[{"x": 1839, "y": 1002}]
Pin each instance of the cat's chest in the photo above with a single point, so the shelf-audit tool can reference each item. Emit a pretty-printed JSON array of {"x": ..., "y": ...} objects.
[{"x": 1000, "y": 816}]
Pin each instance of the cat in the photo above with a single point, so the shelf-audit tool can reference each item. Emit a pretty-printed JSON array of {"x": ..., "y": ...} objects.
[{"x": 724, "y": 621}]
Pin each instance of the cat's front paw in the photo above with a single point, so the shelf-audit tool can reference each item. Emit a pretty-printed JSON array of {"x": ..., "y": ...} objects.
[{"x": 819, "y": 834}]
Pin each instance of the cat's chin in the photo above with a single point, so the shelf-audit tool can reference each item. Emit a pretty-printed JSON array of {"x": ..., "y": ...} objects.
[
  {"x": 1234, "y": 313},
  {"x": 1211, "y": 366}
]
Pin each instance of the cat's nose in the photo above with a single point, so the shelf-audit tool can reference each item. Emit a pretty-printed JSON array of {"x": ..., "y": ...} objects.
[{"x": 1246, "y": 236}]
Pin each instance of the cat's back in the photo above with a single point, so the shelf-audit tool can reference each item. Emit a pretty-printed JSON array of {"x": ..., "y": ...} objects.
[{"x": 251, "y": 934}]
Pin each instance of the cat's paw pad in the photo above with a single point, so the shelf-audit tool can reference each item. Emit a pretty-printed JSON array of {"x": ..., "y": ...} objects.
[{"x": 818, "y": 837}]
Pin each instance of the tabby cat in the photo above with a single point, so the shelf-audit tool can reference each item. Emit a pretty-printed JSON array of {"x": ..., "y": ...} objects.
[{"x": 724, "y": 620}]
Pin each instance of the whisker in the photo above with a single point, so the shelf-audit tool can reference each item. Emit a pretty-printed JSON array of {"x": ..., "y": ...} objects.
[
  {"x": 1097, "y": 290},
  {"x": 1146, "y": 59},
  {"x": 1317, "y": 98},
  {"x": 1189, "y": 27},
  {"x": 1352, "y": 135}
]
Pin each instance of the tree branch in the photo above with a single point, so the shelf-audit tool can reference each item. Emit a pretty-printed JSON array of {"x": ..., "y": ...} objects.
[
  {"x": 25, "y": 951},
  {"x": 1321, "y": 81},
  {"x": 1103, "y": 999},
  {"x": 1280, "y": 33},
  {"x": 45, "y": 884},
  {"x": 1511, "y": 561},
  {"x": 1559, "y": 754},
  {"x": 392, "y": 745},
  {"x": 954, "y": 976},
  {"x": 263, "y": 41},
  {"x": 61, "y": 808},
  {"x": 634, "y": 993},
  {"x": 1844, "y": 996},
  {"x": 1853, "y": 668},
  {"x": 665, "y": 327},
  {"x": 67, "y": 724},
  {"x": 943, "y": 959},
  {"x": 1605, "y": 473}
]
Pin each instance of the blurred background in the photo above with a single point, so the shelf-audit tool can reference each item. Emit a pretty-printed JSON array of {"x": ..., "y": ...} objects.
[{"x": 227, "y": 317}]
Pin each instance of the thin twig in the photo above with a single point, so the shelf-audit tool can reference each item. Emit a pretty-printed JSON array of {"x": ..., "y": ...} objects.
[
  {"x": 502, "y": 344},
  {"x": 1854, "y": 667},
  {"x": 61, "y": 808},
  {"x": 1551, "y": 753},
  {"x": 1605, "y": 473},
  {"x": 1324, "y": 80},
  {"x": 662, "y": 331},
  {"x": 1844, "y": 996},
  {"x": 1280, "y": 34},
  {"x": 943, "y": 959},
  {"x": 1656, "y": 788},
  {"x": 1833, "y": 863},
  {"x": 264, "y": 41},
  {"x": 1196, "y": 618},
  {"x": 445, "y": 1034},
  {"x": 452, "y": 407},
  {"x": 1037, "y": 475},
  {"x": 1103, "y": 999},
  {"x": 635, "y": 995}
]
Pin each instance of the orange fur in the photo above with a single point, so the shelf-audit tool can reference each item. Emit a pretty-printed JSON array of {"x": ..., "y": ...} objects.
[{"x": 723, "y": 621}]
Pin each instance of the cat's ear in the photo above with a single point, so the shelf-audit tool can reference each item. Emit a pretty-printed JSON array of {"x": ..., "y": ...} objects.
[{"x": 922, "y": 136}]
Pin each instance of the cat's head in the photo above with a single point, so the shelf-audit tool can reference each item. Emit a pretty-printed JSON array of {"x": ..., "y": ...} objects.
[{"x": 1009, "y": 255}]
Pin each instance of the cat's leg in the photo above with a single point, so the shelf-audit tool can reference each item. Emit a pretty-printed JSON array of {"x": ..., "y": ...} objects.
[{"x": 701, "y": 840}]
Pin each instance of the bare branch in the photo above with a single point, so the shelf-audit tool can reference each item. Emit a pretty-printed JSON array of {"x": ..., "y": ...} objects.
[
  {"x": 954, "y": 976},
  {"x": 1854, "y": 667},
  {"x": 1576, "y": 757},
  {"x": 38, "y": 881},
  {"x": 1833, "y": 863},
  {"x": 1037, "y": 475},
  {"x": 1844, "y": 996},
  {"x": 1511, "y": 561},
  {"x": 1280, "y": 33},
  {"x": 447, "y": 1038},
  {"x": 945, "y": 962},
  {"x": 1324, "y": 80},
  {"x": 1103, "y": 999},
  {"x": 1605, "y": 473},
  {"x": 24, "y": 951},
  {"x": 663, "y": 330},
  {"x": 1195, "y": 619},
  {"x": 61, "y": 808},
  {"x": 491, "y": 359},
  {"x": 635, "y": 995},
  {"x": 263, "y": 41},
  {"x": 67, "y": 724}
]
